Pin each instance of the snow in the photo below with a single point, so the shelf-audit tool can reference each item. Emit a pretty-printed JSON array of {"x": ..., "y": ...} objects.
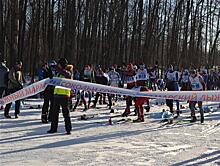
[{"x": 24, "y": 141}]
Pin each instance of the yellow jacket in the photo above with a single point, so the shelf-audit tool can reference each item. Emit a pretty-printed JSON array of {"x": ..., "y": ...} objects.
[{"x": 61, "y": 91}]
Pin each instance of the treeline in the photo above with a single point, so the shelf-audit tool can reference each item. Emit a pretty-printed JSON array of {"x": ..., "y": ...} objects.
[{"x": 181, "y": 32}]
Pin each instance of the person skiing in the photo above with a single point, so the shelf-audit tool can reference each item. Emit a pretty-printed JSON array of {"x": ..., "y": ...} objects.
[
  {"x": 114, "y": 80},
  {"x": 172, "y": 78},
  {"x": 142, "y": 78},
  {"x": 101, "y": 78},
  {"x": 184, "y": 80},
  {"x": 153, "y": 78},
  {"x": 131, "y": 80},
  {"x": 196, "y": 84},
  {"x": 88, "y": 76}
]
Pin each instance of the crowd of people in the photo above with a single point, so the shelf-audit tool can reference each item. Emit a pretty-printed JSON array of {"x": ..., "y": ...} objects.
[{"x": 131, "y": 76}]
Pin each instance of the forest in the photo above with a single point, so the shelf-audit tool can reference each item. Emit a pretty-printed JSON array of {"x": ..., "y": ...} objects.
[{"x": 181, "y": 32}]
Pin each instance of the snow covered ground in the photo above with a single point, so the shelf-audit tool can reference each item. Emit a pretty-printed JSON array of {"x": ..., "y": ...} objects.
[{"x": 24, "y": 141}]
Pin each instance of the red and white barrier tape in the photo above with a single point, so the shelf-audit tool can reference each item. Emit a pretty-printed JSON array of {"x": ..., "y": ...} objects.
[{"x": 74, "y": 84}]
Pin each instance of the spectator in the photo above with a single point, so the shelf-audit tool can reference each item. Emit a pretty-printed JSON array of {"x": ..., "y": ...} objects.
[
  {"x": 3, "y": 79},
  {"x": 15, "y": 83}
]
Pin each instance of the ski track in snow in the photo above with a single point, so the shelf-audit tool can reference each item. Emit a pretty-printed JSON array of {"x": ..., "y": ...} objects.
[{"x": 24, "y": 141}]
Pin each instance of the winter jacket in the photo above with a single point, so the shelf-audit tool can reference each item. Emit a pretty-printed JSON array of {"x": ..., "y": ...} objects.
[
  {"x": 62, "y": 91},
  {"x": 101, "y": 78},
  {"x": 15, "y": 79},
  {"x": 115, "y": 78}
]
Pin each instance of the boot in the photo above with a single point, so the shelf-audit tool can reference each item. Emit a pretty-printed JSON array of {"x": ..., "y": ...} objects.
[
  {"x": 44, "y": 118},
  {"x": 138, "y": 120},
  {"x": 112, "y": 111},
  {"x": 7, "y": 116},
  {"x": 177, "y": 114},
  {"x": 194, "y": 119},
  {"x": 202, "y": 119},
  {"x": 68, "y": 133},
  {"x": 135, "y": 112},
  {"x": 89, "y": 105},
  {"x": 126, "y": 113},
  {"x": 202, "y": 116},
  {"x": 142, "y": 118},
  {"x": 16, "y": 116},
  {"x": 80, "y": 103},
  {"x": 51, "y": 131},
  {"x": 85, "y": 109},
  {"x": 147, "y": 108},
  {"x": 170, "y": 121}
]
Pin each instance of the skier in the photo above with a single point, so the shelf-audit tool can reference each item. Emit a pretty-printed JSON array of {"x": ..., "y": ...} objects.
[
  {"x": 88, "y": 76},
  {"x": 142, "y": 78},
  {"x": 184, "y": 80},
  {"x": 114, "y": 80},
  {"x": 131, "y": 80},
  {"x": 101, "y": 78},
  {"x": 196, "y": 84},
  {"x": 172, "y": 78},
  {"x": 153, "y": 78}
]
